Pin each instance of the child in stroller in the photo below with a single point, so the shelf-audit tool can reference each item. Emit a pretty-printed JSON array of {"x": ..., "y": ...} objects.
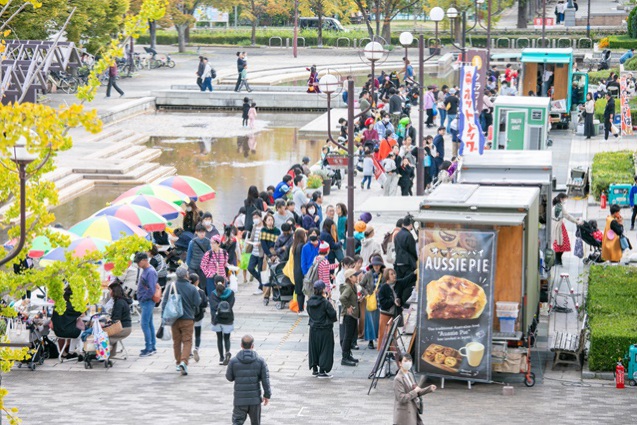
[
  {"x": 39, "y": 345},
  {"x": 592, "y": 236},
  {"x": 282, "y": 286}
]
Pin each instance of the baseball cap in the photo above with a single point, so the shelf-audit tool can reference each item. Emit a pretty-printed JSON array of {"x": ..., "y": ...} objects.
[{"x": 140, "y": 256}]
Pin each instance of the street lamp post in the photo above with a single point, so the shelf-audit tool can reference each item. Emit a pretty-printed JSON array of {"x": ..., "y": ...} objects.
[
  {"x": 22, "y": 158},
  {"x": 436, "y": 14},
  {"x": 373, "y": 52},
  {"x": 406, "y": 38},
  {"x": 488, "y": 35}
]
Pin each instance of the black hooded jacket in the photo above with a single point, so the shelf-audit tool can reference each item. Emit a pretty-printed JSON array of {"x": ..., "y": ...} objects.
[
  {"x": 322, "y": 313},
  {"x": 248, "y": 371}
]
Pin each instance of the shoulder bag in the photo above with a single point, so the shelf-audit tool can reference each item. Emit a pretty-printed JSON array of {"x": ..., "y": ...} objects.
[{"x": 371, "y": 304}]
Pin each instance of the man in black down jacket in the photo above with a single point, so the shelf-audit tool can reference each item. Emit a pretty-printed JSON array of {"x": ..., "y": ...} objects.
[
  {"x": 248, "y": 371},
  {"x": 406, "y": 253}
]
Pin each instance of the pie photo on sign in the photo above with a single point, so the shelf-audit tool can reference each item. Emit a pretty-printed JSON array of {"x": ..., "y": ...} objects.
[
  {"x": 445, "y": 358},
  {"x": 452, "y": 297}
]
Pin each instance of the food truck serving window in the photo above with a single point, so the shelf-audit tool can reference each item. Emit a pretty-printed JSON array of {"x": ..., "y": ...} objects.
[{"x": 471, "y": 217}]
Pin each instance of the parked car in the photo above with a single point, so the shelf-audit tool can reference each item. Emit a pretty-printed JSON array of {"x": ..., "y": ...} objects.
[{"x": 329, "y": 24}]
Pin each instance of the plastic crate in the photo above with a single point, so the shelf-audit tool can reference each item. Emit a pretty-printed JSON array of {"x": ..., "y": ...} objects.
[
  {"x": 507, "y": 324},
  {"x": 507, "y": 313},
  {"x": 618, "y": 194},
  {"x": 507, "y": 306}
]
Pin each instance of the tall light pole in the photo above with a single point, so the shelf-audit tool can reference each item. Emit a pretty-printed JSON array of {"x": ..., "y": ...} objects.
[
  {"x": 22, "y": 158},
  {"x": 406, "y": 38},
  {"x": 544, "y": 23},
  {"x": 588, "y": 20},
  {"x": 489, "y": 35},
  {"x": 373, "y": 52},
  {"x": 295, "y": 41},
  {"x": 436, "y": 14}
]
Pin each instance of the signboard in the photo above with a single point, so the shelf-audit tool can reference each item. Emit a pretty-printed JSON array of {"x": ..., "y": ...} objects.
[
  {"x": 627, "y": 124},
  {"x": 469, "y": 130},
  {"x": 515, "y": 131},
  {"x": 478, "y": 58},
  {"x": 456, "y": 303},
  {"x": 536, "y": 114},
  {"x": 549, "y": 23},
  {"x": 210, "y": 14}
]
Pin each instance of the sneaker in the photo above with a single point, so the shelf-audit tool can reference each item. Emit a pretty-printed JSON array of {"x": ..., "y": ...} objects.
[
  {"x": 324, "y": 375},
  {"x": 303, "y": 313},
  {"x": 355, "y": 347},
  {"x": 315, "y": 371},
  {"x": 258, "y": 292},
  {"x": 183, "y": 368},
  {"x": 145, "y": 353},
  {"x": 195, "y": 354},
  {"x": 353, "y": 359},
  {"x": 227, "y": 359},
  {"x": 347, "y": 362},
  {"x": 178, "y": 368},
  {"x": 370, "y": 345},
  {"x": 153, "y": 351},
  {"x": 221, "y": 360}
]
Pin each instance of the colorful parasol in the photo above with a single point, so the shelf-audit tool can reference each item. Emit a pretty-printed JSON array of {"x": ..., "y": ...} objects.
[
  {"x": 162, "y": 192},
  {"x": 139, "y": 216},
  {"x": 192, "y": 187},
  {"x": 168, "y": 210},
  {"x": 41, "y": 244},
  {"x": 106, "y": 227},
  {"x": 79, "y": 248}
]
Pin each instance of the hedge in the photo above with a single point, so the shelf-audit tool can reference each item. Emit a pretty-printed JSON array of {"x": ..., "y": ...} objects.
[
  {"x": 612, "y": 314},
  {"x": 611, "y": 168},
  {"x": 622, "y": 42},
  {"x": 596, "y": 76}
]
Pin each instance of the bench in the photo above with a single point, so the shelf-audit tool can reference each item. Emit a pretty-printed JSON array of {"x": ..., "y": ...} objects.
[{"x": 569, "y": 348}]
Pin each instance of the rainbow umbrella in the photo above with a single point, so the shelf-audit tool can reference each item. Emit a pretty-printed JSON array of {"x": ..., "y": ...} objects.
[
  {"x": 41, "y": 244},
  {"x": 106, "y": 227},
  {"x": 194, "y": 188},
  {"x": 139, "y": 216},
  {"x": 79, "y": 248},
  {"x": 162, "y": 192},
  {"x": 165, "y": 209}
]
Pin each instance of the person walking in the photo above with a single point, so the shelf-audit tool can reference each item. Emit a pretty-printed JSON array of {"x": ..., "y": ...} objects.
[
  {"x": 249, "y": 372},
  {"x": 369, "y": 288},
  {"x": 182, "y": 329},
  {"x": 561, "y": 241},
  {"x": 589, "y": 111},
  {"x": 256, "y": 257},
  {"x": 199, "y": 314},
  {"x": 407, "y": 394},
  {"x": 430, "y": 101},
  {"x": 214, "y": 263},
  {"x": 146, "y": 286},
  {"x": 240, "y": 64},
  {"x": 244, "y": 79},
  {"x": 391, "y": 182},
  {"x": 609, "y": 115},
  {"x": 112, "y": 81},
  {"x": 368, "y": 170},
  {"x": 197, "y": 248},
  {"x": 222, "y": 318},
  {"x": 206, "y": 76},
  {"x": 294, "y": 269},
  {"x": 613, "y": 232},
  {"x": 200, "y": 72},
  {"x": 321, "y": 340},
  {"x": 406, "y": 253},
  {"x": 349, "y": 307},
  {"x": 245, "y": 109}
]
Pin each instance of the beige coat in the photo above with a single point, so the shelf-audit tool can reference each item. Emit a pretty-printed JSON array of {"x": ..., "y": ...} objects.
[
  {"x": 558, "y": 215},
  {"x": 406, "y": 400}
]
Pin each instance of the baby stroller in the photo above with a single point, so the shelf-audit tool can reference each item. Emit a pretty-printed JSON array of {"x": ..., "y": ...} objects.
[
  {"x": 282, "y": 286},
  {"x": 585, "y": 231},
  {"x": 38, "y": 350},
  {"x": 604, "y": 63},
  {"x": 88, "y": 348}
]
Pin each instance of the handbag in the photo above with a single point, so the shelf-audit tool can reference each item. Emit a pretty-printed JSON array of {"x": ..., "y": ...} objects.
[
  {"x": 114, "y": 328},
  {"x": 160, "y": 332},
  {"x": 233, "y": 283},
  {"x": 614, "y": 129},
  {"x": 174, "y": 308},
  {"x": 427, "y": 161},
  {"x": 578, "y": 250},
  {"x": 17, "y": 332},
  {"x": 610, "y": 235},
  {"x": 371, "y": 304},
  {"x": 157, "y": 294},
  {"x": 623, "y": 241}
]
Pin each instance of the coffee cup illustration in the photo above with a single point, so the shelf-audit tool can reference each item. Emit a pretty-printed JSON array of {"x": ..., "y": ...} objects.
[{"x": 473, "y": 351}]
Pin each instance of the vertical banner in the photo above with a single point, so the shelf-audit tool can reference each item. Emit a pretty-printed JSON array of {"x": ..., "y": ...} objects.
[
  {"x": 469, "y": 129},
  {"x": 455, "y": 303},
  {"x": 478, "y": 58},
  {"x": 626, "y": 123}
]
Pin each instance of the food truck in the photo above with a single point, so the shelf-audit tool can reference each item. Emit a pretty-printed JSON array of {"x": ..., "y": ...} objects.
[
  {"x": 478, "y": 278},
  {"x": 544, "y": 70},
  {"x": 515, "y": 168},
  {"x": 521, "y": 123}
]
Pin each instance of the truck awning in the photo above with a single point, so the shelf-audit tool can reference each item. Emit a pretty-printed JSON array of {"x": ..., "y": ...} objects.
[
  {"x": 494, "y": 219},
  {"x": 497, "y": 56},
  {"x": 546, "y": 58},
  {"x": 391, "y": 207}
]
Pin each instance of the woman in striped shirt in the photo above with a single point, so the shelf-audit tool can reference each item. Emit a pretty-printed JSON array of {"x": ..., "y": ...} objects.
[
  {"x": 325, "y": 268},
  {"x": 214, "y": 263}
]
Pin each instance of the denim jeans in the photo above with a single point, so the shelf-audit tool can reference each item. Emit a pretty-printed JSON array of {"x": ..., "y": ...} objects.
[
  {"x": 367, "y": 179},
  {"x": 147, "y": 324},
  {"x": 443, "y": 116},
  {"x": 254, "y": 267},
  {"x": 450, "y": 117},
  {"x": 207, "y": 84}
]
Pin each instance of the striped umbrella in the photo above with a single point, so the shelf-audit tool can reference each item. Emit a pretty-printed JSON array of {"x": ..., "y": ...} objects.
[
  {"x": 41, "y": 244},
  {"x": 194, "y": 188},
  {"x": 107, "y": 227},
  {"x": 168, "y": 210},
  {"x": 79, "y": 248},
  {"x": 139, "y": 216},
  {"x": 162, "y": 192}
]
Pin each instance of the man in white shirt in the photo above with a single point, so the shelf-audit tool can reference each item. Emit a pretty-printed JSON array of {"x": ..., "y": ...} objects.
[
  {"x": 282, "y": 214},
  {"x": 298, "y": 194},
  {"x": 546, "y": 80}
]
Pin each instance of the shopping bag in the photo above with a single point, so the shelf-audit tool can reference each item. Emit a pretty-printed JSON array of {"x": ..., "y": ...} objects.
[
  {"x": 233, "y": 283},
  {"x": 17, "y": 332},
  {"x": 174, "y": 308},
  {"x": 245, "y": 260},
  {"x": 578, "y": 250},
  {"x": 294, "y": 304},
  {"x": 100, "y": 339},
  {"x": 614, "y": 129},
  {"x": 167, "y": 336}
]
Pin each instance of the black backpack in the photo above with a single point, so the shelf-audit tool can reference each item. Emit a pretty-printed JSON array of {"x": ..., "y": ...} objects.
[
  {"x": 200, "y": 310},
  {"x": 224, "y": 312},
  {"x": 213, "y": 73}
]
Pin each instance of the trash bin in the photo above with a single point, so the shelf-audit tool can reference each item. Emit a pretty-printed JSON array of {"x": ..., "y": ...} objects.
[{"x": 327, "y": 186}]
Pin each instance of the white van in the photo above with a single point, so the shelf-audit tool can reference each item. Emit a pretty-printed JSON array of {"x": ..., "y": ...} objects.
[{"x": 329, "y": 24}]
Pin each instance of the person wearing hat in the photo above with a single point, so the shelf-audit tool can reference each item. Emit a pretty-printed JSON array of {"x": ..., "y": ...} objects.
[
  {"x": 321, "y": 340},
  {"x": 325, "y": 267},
  {"x": 214, "y": 263},
  {"x": 369, "y": 246},
  {"x": 359, "y": 235},
  {"x": 370, "y": 132},
  {"x": 146, "y": 286},
  {"x": 369, "y": 287},
  {"x": 451, "y": 106},
  {"x": 349, "y": 307}
]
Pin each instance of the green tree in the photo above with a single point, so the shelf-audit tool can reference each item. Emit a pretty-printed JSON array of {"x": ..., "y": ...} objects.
[
  {"x": 255, "y": 10},
  {"x": 320, "y": 9},
  {"x": 385, "y": 9}
]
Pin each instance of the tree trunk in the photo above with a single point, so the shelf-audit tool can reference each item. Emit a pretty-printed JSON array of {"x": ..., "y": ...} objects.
[
  {"x": 363, "y": 10},
  {"x": 187, "y": 34},
  {"x": 181, "y": 37},
  {"x": 377, "y": 16},
  {"x": 522, "y": 15},
  {"x": 152, "y": 30},
  {"x": 319, "y": 39},
  {"x": 253, "y": 36},
  {"x": 387, "y": 30}
]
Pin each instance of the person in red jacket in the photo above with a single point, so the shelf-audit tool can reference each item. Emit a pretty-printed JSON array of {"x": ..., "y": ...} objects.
[{"x": 112, "y": 81}]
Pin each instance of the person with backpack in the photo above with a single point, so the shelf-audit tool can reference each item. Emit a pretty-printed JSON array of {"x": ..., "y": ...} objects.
[
  {"x": 207, "y": 76},
  {"x": 222, "y": 318},
  {"x": 201, "y": 310},
  {"x": 182, "y": 328}
]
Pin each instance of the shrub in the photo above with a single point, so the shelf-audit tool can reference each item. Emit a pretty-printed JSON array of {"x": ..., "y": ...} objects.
[
  {"x": 611, "y": 168},
  {"x": 622, "y": 42},
  {"x": 631, "y": 64},
  {"x": 612, "y": 314},
  {"x": 314, "y": 181},
  {"x": 632, "y": 23},
  {"x": 597, "y": 76},
  {"x": 604, "y": 43}
]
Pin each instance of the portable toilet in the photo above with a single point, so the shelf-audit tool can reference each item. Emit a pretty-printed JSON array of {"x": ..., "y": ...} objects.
[{"x": 521, "y": 122}]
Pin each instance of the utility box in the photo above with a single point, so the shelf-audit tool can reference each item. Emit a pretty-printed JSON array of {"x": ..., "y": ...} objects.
[
  {"x": 618, "y": 194},
  {"x": 521, "y": 122}
]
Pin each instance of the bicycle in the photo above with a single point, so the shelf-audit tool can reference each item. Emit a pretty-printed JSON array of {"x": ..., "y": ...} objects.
[{"x": 61, "y": 81}]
